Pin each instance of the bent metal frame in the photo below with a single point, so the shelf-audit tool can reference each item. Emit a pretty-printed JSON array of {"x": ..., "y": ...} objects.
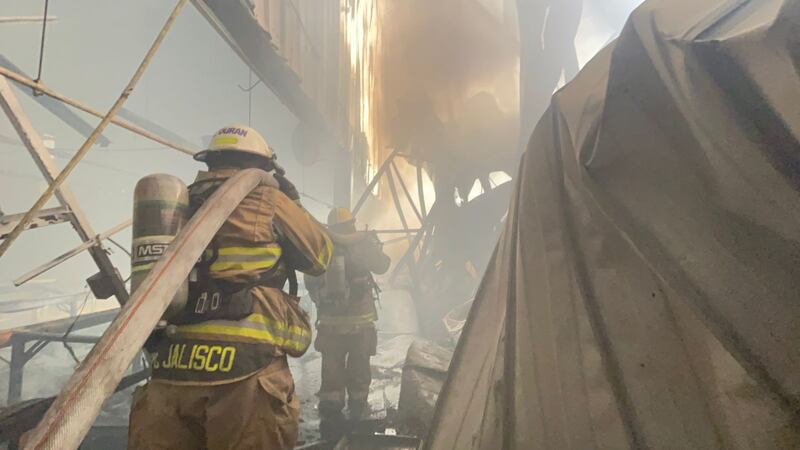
[{"x": 69, "y": 210}]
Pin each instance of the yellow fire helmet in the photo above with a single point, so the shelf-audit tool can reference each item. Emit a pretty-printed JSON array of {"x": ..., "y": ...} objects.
[
  {"x": 339, "y": 216},
  {"x": 237, "y": 138}
]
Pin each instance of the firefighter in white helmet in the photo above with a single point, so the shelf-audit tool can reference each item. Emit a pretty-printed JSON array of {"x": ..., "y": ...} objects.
[
  {"x": 220, "y": 378},
  {"x": 346, "y": 336}
]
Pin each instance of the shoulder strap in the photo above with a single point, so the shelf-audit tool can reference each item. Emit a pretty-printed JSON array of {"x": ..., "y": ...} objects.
[{"x": 293, "y": 282}]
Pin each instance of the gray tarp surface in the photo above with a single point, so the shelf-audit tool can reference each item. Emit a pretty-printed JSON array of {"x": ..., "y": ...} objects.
[{"x": 646, "y": 290}]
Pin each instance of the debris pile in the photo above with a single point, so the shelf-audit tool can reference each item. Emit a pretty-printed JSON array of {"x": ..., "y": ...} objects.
[
  {"x": 387, "y": 370},
  {"x": 424, "y": 373},
  {"x": 407, "y": 374}
]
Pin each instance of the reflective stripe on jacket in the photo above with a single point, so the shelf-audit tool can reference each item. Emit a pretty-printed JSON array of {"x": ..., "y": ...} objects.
[
  {"x": 264, "y": 238},
  {"x": 255, "y": 327},
  {"x": 238, "y": 259}
]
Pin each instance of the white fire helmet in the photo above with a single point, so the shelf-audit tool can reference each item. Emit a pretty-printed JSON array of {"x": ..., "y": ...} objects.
[{"x": 237, "y": 138}]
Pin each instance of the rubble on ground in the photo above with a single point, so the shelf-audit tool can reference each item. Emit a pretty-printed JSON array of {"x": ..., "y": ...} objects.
[
  {"x": 408, "y": 373},
  {"x": 424, "y": 373}
]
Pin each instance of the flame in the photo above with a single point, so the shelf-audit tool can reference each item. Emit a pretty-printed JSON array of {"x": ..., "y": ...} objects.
[{"x": 360, "y": 23}]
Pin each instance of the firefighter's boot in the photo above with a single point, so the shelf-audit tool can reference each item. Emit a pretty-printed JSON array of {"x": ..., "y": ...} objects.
[
  {"x": 332, "y": 423},
  {"x": 358, "y": 408}
]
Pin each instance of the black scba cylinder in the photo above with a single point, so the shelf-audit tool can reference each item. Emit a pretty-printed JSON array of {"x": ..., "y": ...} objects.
[{"x": 160, "y": 209}]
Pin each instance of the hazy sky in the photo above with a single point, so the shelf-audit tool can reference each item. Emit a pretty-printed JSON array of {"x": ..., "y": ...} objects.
[{"x": 602, "y": 21}]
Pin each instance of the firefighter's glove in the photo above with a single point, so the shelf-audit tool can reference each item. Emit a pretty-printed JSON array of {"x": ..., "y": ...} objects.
[{"x": 287, "y": 187}]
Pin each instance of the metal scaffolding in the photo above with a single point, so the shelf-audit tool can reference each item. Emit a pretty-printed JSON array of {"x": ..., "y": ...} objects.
[
  {"x": 26, "y": 342},
  {"x": 418, "y": 239}
]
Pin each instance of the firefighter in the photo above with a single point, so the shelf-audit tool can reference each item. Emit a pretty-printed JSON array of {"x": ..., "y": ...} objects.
[
  {"x": 220, "y": 378},
  {"x": 345, "y": 298}
]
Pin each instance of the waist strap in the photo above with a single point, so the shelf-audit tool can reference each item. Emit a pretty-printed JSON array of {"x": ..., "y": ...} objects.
[
  {"x": 346, "y": 320},
  {"x": 256, "y": 328}
]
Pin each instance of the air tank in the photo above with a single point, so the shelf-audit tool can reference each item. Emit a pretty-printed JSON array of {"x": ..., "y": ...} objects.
[
  {"x": 160, "y": 210},
  {"x": 335, "y": 285}
]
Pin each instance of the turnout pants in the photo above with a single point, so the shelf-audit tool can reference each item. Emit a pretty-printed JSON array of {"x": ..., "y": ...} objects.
[
  {"x": 346, "y": 370},
  {"x": 258, "y": 412}
]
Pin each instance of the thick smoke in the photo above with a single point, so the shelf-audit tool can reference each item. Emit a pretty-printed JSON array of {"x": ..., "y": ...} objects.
[
  {"x": 446, "y": 95},
  {"x": 447, "y": 85}
]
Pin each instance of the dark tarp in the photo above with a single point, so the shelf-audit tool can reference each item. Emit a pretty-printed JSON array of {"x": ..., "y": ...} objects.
[{"x": 645, "y": 292}]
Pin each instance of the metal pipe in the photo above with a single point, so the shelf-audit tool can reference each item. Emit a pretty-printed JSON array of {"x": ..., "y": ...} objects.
[
  {"x": 70, "y": 338},
  {"x": 396, "y": 199},
  {"x": 374, "y": 181},
  {"x": 74, "y": 252},
  {"x": 61, "y": 326},
  {"x": 76, "y": 407},
  {"x": 395, "y": 240},
  {"x": 27, "y": 19},
  {"x": 67, "y": 170},
  {"x": 25, "y": 81},
  {"x": 421, "y": 191},
  {"x": 409, "y": 255},
  {"x": 405, "y": 191},
  {"x": 45, "y": 217},
  {"x": 410, "y": 230},
  {"x": 15, "y": 371}
]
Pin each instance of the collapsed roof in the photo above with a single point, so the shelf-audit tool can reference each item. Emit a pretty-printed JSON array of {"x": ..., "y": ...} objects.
[{"x": 644, "y": 291}]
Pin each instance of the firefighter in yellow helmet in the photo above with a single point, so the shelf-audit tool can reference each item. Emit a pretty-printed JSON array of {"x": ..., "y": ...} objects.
[
  {"x": 220, "y": 378},
  {"x": 346, "y": 336}
]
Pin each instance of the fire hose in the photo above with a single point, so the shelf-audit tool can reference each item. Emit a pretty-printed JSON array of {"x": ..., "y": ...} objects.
[{"x": 72, "y": 414}]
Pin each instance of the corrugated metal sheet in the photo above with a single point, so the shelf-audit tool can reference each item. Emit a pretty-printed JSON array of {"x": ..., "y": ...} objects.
[{"x": 307, "y": 34}]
